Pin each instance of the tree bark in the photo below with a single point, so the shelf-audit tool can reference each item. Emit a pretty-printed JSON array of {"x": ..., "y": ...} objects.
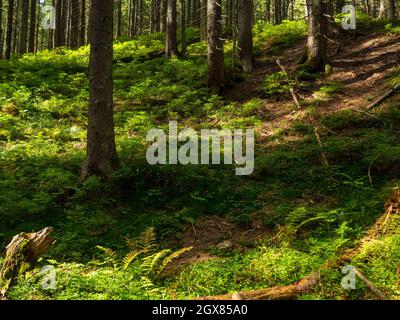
[
  {"x": 119, "y": 18},
  {"x": 215, "y": 55},
  {"x": 58, "y": 34},
  {"x": 74, "y": 39},
  {"x": 32, "y": 28},
  {"x": 203, "y": 20},
  {"x": 82, "y": 36},
  {"x": 9, "y": 28},
  {"x": 386, "y": 9},
  {"x": 183, "y": 27},
  {"x": 101, "y": 154},
  {"x": 268, "y": 10},
  {"x": 278, "y": 12},
  {"x": 23, "y": 37},
  {"x": 316, "y": 41},
  {"x": 1, "y": 30},
  {"x": 171, "y": 40},
  {"x": 245, "y": 35}
]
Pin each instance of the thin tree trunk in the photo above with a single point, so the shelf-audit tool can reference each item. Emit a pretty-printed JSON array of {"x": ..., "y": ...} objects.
[
  {"x": 9, "y": 28},
  {"x": 37, "y": 29},
  {"x": 58, "y": 31},
  {"x": 119, "y": 18},
  {"x": 15, "y": 27},
  {"x": 268, "y": 10},
  {"x": 164, "y": 5},
  {"x": 74, "y": 41},
  {"x": 82, "y": 36},
  {"x": 1, "y": 29},
  {"x": 278, "y": 12},
  {"x": 23, "y": 37},
  {"x": 64, "y": 22},
  {"x": 101, "y": 157},
  {"x": 215, "y": 52},
  {"x": 203, "y": 20},
  {"x": 183, "y": 27},
  {"x": 245, "y": 35},
  {"x": 171, "y": 41},
  {"x": 189, "y": 13}
]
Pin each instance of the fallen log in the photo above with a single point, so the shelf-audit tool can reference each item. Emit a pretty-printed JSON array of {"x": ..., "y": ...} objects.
[
  {"x": 383, "y": 97},
  {"x": 275, "y": 293},
  {"x": 292, "y": 291},
  {"x": 22, "y": 253}
]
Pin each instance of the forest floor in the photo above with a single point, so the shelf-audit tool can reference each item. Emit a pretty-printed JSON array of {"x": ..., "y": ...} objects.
[
  {"x": 322, "y": 172},
  {"x": 362, "y": 66}
]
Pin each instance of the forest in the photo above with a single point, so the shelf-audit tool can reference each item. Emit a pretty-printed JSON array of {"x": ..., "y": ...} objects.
[{"x": 199, "y": 150}]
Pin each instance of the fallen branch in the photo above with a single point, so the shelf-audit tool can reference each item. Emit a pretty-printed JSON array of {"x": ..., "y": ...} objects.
[
  {"x": 382, "y": 98},
  {"x": 22, "y": 252},
  {"x": 369, "y": 284},
  {"x": 323, "y": 155},
  {"x": 292, "y": 92},
  {"x": 305, "y": 285}
]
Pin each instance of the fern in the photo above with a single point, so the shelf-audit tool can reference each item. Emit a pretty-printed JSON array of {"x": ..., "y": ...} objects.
[
  {"x": 171, "y": 257},
  {"x": 111, "y": 254},
  {"x": 148, "y": 285},
  {"x": 150, "y": 263},
  {"x": 145, "y": 241},
  {"x": 130, "y": 257}
]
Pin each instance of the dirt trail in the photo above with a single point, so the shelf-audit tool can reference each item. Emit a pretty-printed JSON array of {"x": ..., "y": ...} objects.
[{"x": 362, "y": 66}]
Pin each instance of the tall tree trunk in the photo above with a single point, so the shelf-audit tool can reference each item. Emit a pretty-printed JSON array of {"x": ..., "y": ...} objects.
[
  {"x": 134, "y": 17},
  {"x": 15, "y": 27},
  {"x": 1, "y": 29},
  {"x": 64, "y": 22},
  {"x": 82, "y": 35},
  {"x": 171, "y": 41},
  {"x": 157, "y": 21},
  {"x": 74, "y": 41},
  {"x": 9, "y": 28},
  {"x": 141, "y": 14},
  {"x": 245, "y": 35},
  {"x": 183, "y": 27},
  {"x": 189, "y": 13},
  {"x": 23, "y": 37},
  {"x": 292, "y": 10},
  {"x": 68, "y": 42},
  {"x": 58, "y": 34},
  {"x": 316, "y": 41},
  {"x": 268, "y": 10},
  {"x": 278, "y": 12},
  {"x": 164, "y": 5},
  {"x": 101, "y": 157},
  {"x": 215, "y": 52},
  {"x": 386, "y": 9},
  {"x": 153, "y": 13},
  {"x": 37, "y": 29},
  {"x": 119, "y": 18},
  {"x": 203, "y": 20}
]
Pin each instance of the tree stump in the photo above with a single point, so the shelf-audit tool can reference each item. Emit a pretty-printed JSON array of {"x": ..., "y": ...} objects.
[{"x": 22, "y": 252}]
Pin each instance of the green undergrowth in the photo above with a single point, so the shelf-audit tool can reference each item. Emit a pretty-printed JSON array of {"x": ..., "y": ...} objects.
[{"x": 312, "y": 212}]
